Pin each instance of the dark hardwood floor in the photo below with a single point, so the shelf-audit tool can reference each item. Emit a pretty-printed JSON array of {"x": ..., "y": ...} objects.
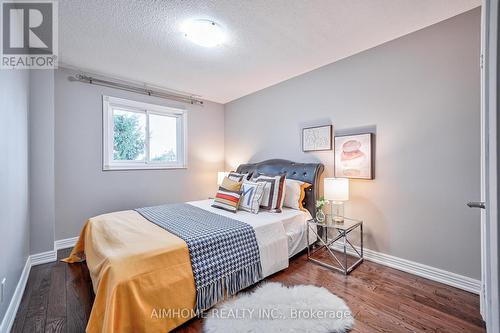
[{"x": 59, "y": 297}]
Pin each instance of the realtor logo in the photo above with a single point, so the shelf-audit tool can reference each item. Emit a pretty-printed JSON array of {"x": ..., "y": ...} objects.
[{"x": 29, "y": 34}]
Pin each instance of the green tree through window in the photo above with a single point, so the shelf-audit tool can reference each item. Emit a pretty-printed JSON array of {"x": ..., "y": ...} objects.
[{"x": 128, "y": 138}]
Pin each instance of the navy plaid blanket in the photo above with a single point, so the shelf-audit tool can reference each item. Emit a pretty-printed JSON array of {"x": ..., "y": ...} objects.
[{"x": 224, "y": 252}]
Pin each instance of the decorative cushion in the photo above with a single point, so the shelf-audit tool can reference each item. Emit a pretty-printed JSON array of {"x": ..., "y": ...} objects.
[
  {"x": 231, "y": 185},
  {"x": 238, "y": 176},
  {"x": 295, "y": 193},
  {"x": 274, "y": 192},
  {"x": 227, "y": 200},
  {"x": 251, "y": 196},
  {"x": 303, "y": 189}
]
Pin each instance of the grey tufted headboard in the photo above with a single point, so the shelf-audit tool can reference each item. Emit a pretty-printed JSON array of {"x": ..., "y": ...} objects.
[{"x": 306, "y": 172}]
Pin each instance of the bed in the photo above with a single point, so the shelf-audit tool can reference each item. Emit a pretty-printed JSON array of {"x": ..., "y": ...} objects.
[{"x": 143, "y": 276}]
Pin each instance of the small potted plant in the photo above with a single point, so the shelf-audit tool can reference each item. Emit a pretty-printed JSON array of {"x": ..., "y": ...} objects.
[{"x": 320, "y": 215}]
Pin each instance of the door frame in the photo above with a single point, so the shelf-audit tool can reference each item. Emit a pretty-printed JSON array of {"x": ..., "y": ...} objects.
[{"x": 490, "y": 143}]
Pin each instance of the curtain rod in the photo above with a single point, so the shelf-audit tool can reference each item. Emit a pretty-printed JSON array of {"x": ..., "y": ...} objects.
[{"x": 131, "y": 88}]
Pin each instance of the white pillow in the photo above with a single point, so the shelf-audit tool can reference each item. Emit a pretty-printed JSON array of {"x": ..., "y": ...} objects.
[
  {"x": 251, "y": 196},
  {"x": 294, "y": 193}
]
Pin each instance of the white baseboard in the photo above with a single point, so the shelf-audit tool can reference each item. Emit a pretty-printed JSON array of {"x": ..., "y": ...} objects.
[
  {"x": 10, "y": 314},
  {"x": 65, "y": 243},
  {"x": 415, "y": 268},
  {"x": 32, "y": 260}
]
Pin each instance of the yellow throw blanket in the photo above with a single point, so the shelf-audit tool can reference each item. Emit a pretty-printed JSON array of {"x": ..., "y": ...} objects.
[{"x": 141, "y": 274}]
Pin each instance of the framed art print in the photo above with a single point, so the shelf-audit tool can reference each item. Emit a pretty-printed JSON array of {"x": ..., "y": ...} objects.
[
  {"x": 317, "y": 138},
  {"x": 354, "y": 156}
]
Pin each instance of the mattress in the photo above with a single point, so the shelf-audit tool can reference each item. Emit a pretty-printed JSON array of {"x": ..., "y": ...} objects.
[
  {"x": 296, "y": 234},
  {"x": 279, "y": 235},
  {"x": 137, "y": 267}
]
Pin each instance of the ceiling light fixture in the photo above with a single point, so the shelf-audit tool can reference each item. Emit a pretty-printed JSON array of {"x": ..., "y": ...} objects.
[{"x": 203, "y": 32}]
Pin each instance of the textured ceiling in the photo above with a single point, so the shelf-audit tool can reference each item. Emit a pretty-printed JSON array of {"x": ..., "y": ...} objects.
[{"x": 269, "y": 40}]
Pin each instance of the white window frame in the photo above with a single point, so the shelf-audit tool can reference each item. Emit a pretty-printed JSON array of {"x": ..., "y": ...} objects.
[{"x": 109, "y": 103}]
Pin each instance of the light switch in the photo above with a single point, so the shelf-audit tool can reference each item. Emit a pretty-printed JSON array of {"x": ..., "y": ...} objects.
[{"x": 2, "y": 291}]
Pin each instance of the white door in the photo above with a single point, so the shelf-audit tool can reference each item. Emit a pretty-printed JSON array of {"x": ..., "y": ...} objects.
[{"x": 489, "y": 180}]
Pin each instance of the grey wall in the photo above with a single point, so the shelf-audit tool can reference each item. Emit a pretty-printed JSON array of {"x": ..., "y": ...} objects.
[
  {"x": 421, "y": 95},
  {"x": 83, "y": 190},
  {"x": 14, "y": 215},
  {"x": 41, "y": 167}
]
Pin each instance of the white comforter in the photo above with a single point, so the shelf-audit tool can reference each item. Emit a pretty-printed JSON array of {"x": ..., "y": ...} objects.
[{"x": 271, "y": 233}]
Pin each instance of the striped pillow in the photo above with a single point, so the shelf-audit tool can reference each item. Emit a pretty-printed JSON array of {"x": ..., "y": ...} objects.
[
  {"x": 274, "y": 192},
  {"x": 238, "y": 176},
  {"x": 231, "y": 185},
  {"x": 227, "y": 200}
]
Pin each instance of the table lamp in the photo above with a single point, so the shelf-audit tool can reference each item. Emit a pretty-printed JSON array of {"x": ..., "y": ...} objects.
[
  {"x": 220, "y": 177},
  {"x": 337, "y": 191}
]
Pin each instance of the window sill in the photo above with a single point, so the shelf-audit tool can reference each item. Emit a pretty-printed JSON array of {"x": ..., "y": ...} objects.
[{"x": 142, "y": 167}]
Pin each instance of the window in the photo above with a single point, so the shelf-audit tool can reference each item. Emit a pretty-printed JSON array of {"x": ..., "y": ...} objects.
[{"x": 142, "y": 136}]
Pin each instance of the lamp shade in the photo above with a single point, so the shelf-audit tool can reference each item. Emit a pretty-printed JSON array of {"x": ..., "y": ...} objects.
[
  {"x": 336, "y": 189},
  {"x": 220, "y": 176}
]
